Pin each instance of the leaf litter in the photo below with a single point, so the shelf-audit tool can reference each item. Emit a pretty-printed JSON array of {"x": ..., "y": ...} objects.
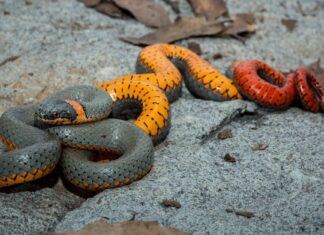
[{"x": 211, "y": 19}]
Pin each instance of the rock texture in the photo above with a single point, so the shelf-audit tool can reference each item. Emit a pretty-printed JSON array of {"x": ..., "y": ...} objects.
[
  {"x": 34, "y": 212},
  {"x": 46, "y": 45},
  {"x": 281, "y": 185}
]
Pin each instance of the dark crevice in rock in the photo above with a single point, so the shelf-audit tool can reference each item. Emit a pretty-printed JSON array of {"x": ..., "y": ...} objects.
[{"x": 237, "y": 114}]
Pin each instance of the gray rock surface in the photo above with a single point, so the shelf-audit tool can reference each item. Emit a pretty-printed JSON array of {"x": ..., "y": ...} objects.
[
  {"x": 282, "y": 185},
  {"x": 34, "y": 212},
  {"x": 52, "y": 44}
]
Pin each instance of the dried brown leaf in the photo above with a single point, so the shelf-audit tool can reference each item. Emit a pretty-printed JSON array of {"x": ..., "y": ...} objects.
[
  {"x": 101, "y": 227},
  {"x": 289, "y": 23},
  {"x": 317, "y": 70},
  {"x": 170, "y": 203},
  {"x": 217, "y": 56},
  {"x": 109, "y": 9},
  {"x": 91, "y": 3},
  {"x": 146, "y": 11},
  {"x": 211, "y": 9},
  {"x": 184, "y": 27},
  {"x": 229, "y": 158},
  {"x": 225, "y": 134},
  {"x": 195, "y": 47},
  {"x": 174, "y": 5},
  {"x": 28, "y": 2},
  {"x": 246, "y": 214},
  {"x": 259, "y": 147},
  {"x": 242, "y": 24}
]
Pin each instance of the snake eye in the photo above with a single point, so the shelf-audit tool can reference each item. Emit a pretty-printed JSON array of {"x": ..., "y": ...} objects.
[{"x": 54, "y": 111}]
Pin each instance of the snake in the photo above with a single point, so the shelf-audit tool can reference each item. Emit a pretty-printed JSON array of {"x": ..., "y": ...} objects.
[
  {"x": 33, "y": 153},
  {"x": 76, "y": 118},
  {"x": 310, "y": 91},
  {"x": 261, "y": 83},
  {"x": 165, "y": 67}
]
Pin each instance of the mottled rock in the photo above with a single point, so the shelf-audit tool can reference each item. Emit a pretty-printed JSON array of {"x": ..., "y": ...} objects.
[
  {"x": 48, "y": 45},
  {"x": 282, "y": 185},
  {"x": 34, "y": 212}
]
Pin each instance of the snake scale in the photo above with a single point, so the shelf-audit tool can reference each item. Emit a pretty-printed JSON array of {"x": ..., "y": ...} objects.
[{"x": 33, "y": 134}]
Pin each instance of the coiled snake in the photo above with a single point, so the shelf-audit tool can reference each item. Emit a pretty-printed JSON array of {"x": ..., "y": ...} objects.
[{"x": 33, "y": 153}]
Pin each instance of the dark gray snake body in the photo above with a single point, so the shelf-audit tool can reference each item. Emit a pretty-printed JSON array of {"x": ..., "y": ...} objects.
[{"x": 36, "y": 152}]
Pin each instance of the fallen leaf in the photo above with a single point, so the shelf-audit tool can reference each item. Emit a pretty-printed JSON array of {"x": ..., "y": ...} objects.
[
  {"x": 211, "y": 9},
  {"x": 174, "y": 5},
  {"x": 170, "y": 203},
  {"x": 259, "y": 146},
  {"x": 91, "y": 3},
  {"x": 289, "y": 23},
  {"x": 146, "y": 11},
  {"x": 228, "y": 210},
  {"x": 225, "y": 134},
  {"x": 246, "y": 214},
  {"x": 241, "y": 24},
  {"x": 217, "y": 56},
  {"x": 195, "y": 47},
  {"x": 101, "y": 227},
  {"x": 317, "y": 70},
  {"x": 229, "y": 158},
  {"x": 109, "y": 9},
  {"x": 183, "y": 27}
]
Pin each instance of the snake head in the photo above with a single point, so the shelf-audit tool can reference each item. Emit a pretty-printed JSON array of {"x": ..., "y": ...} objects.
[{"x": 55, "y": 111}]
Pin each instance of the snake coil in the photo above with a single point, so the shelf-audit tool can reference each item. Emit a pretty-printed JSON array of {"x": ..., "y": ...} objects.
[{"x": 32, "y": 153}]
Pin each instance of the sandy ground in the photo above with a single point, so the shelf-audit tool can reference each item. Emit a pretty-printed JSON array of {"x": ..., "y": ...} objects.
[{"x": 48, "y": 45}]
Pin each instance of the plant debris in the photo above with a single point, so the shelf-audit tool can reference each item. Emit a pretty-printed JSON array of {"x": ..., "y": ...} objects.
[
  {"x": 153, "y": 14},
  {"x": 174, "y": 5},
  {"x": 289, "y": 23},
  {"x": 229, "y": 158},
  {"x": 101, "y": 227},
  {"x": 183, "y": 27},
  {"x": 147, "y": 12},
  {"x": 246, "y": 214},
  {"x": 241, "y": 27},
  {"x": 211, "y": 9},
  {"x": 195, "y": 47},
  {"x": 9, "y": 59},
  {"x": 109, "y": 9},
  {"x": 259, "y": 147},
  {"x": 91, "y": 3},
  {"x": 225, "y": 134},
  {"x": 217, "y": 56},
  {"x": 170, "y": 203}
]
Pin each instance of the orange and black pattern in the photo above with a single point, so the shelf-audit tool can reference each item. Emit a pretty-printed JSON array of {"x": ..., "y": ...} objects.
[
  {"x": 158, "y": 71},
  {"x": 26, "y": 176},
  {"x": 166, "y": 75},
  {"x": 155, "y": 113}
]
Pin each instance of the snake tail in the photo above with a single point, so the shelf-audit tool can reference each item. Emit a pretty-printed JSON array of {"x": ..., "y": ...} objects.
[
  {"x": 310, "y": 91},
  {"x": 264, "y": 85}
]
